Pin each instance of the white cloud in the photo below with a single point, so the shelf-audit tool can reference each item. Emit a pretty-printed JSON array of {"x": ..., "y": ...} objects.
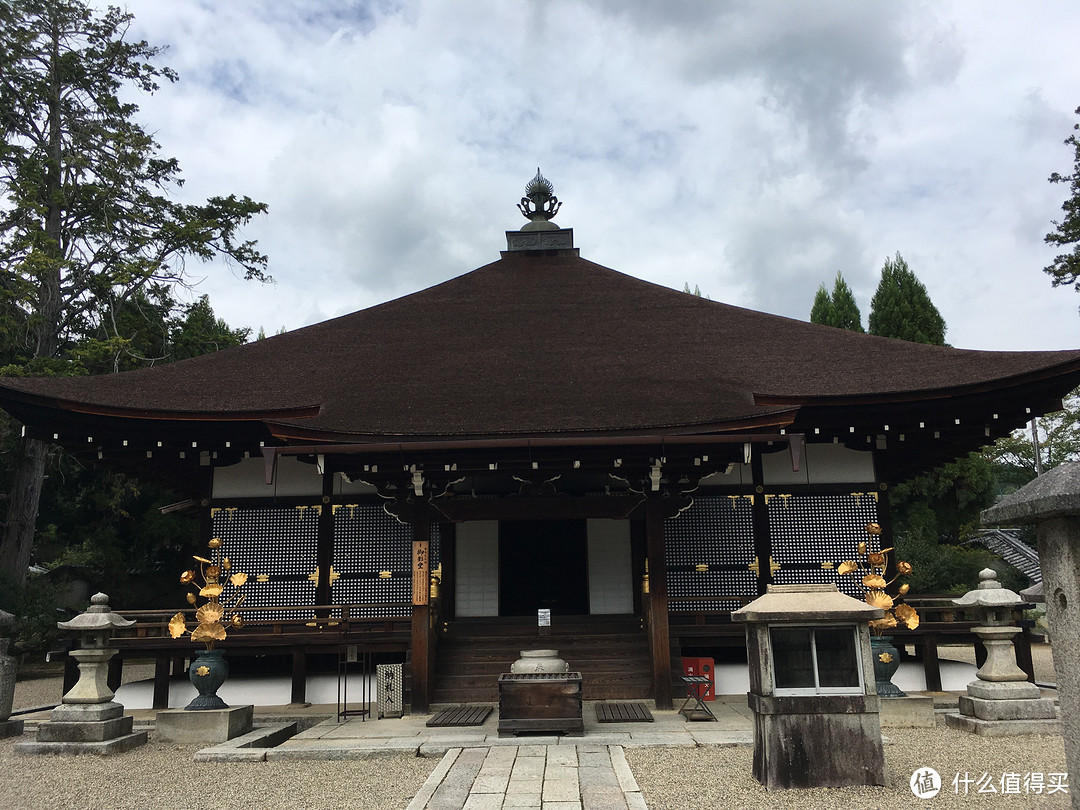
[{"x": 751, "y": 148}]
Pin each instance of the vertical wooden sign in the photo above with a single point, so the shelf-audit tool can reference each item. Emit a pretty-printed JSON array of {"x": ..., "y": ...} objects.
[{"x": 421, "y": 573}]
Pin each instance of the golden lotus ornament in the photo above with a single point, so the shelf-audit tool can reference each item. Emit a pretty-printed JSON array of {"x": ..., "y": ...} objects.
[
  {"x": 873, "y": 568},
  {"x": 222, "y": 598},
  {"x": 213, "y": 631},
  {"x": 177, "y": 625},
  {"x": 879, "y": 599},
  {"x": 874, "y": 581}
]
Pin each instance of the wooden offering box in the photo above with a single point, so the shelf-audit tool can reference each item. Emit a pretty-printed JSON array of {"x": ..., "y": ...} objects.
[{"x": 540, "y": 702}]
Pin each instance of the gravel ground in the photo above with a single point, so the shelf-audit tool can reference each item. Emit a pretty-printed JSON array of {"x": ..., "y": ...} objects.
[
  {"x": 682, "y": 778},
  {"x": 164, "y": 777}
]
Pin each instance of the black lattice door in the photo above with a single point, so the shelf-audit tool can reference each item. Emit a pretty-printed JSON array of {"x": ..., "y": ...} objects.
[
  {"x": 372, "y": 560},
  {"x": 278, "y": 549},
  {"x": 710, "y": 554},
  {"x": 811, "y": 535}
]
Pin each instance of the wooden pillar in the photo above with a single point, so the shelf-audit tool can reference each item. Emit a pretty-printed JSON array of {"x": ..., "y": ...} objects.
[
  {"x": 161, "y": 680},
  {"x": 420, "y": 663},
  {"x": 659, "y": 638},
  {"x": 324, "y": 554},
  {"x": 931, "y": 666},
  {"x": 759, "y": 516},
  {"x": 299, "y": 677}
]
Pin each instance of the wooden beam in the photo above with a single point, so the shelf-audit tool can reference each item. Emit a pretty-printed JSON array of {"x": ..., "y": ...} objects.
[
  {"x": 659, "y": 638},
  {"x": 541, "y": 508}
]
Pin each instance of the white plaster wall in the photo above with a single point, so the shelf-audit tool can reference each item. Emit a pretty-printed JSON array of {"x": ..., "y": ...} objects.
[
  {"x": 610, "y": 573},
  {"x": 476, "y": 592},
  {"x": 821, "y": 464},
  {"x": 247, "y": 479}
]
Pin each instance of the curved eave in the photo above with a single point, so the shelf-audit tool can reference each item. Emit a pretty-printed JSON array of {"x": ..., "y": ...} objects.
[
  {"x": 292, "y": 433},
  {"x": 1066, "y": 375},
  {"x": 26, "y": 400}
]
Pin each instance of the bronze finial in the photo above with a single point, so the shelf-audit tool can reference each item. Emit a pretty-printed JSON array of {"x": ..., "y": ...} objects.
[{"x": 539, "y": 203}]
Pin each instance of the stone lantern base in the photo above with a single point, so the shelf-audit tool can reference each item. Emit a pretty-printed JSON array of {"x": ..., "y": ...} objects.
[
  {"x": 100, "y": 728},
  {"x": 1006, "y": 709}
]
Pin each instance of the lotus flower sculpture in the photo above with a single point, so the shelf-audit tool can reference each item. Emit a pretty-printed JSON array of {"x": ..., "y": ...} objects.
[
  {"x": 872, "y": 567},
  {"x": 215, "y": 583}
]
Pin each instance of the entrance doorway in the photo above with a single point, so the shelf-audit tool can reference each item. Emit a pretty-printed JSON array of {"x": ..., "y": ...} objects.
[{"x": 543, "y": 564}]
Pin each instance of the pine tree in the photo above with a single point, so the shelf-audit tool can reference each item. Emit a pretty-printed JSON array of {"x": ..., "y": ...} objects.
[
  {"x": 87, "y": 225},
  {"x": 845, "y": 312},
  {"x": 838, "y": 309},
  {"x": 901, "y": 307},
  {"x": 821, "y": 311},
  {"x": 1065, "y": 268}
]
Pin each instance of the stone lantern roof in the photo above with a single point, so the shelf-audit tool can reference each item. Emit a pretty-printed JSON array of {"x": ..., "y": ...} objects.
[{"x": 805, "y": 603}]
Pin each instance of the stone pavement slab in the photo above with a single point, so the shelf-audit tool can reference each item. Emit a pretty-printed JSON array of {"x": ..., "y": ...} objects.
[{"x": 549, "y": 777}]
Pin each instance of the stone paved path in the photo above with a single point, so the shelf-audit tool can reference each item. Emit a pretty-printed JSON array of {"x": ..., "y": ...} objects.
[{"x": 548, "y": 777}]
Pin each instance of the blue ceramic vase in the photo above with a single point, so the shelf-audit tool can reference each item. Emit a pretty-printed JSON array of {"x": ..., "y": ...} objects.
[
  {"x": 886, "y": 662},
  {"x": 208, "y": 672}
]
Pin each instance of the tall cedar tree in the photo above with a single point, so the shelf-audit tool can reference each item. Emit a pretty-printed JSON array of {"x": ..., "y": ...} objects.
[
  {"x": 941, "y": 504},
  {"x": 901, "y": 307},
  {"x": 1066, "y": 266},
  {"x": 86, "y": 223},
  {"x": 838, "y": 309}
]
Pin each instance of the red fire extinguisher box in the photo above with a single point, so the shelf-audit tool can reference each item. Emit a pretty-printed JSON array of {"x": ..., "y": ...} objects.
[{"x": 705, "y": 667}]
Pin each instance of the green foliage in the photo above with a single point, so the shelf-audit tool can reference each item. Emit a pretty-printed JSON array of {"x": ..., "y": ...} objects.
[
  {"x": 92, "y": 243},
  {"x": 901, "y": 307},
  {"x": 1065, "y": 268},
  {"x": 686, "y": 289},
  {"x": 944, "y": 504},
  {"x": 822, "y": 308},
  {"x": 943, "y": 568},
  {"x": 33, "y": 604},
  {"x": 1013, "y": 456},
  {"x": 838, "y": 309}
]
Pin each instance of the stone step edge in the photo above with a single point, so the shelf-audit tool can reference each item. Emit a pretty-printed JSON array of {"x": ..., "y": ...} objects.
[{"x": 250, "y": 747}]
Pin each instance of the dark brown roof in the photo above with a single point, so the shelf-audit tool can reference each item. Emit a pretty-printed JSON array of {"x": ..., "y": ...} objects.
[{"x": 535, "y": 345}]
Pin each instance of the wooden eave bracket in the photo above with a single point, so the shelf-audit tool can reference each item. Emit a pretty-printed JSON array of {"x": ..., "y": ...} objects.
[
  {"x": 270, "y": 457},
  {"x": 796, "y": 447}
]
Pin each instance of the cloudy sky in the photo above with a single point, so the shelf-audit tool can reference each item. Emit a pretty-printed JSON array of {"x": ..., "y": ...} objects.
[{"x": 752, "y": 148}]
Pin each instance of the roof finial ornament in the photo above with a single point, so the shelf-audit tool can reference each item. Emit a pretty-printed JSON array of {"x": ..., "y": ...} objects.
[{"x": 539, "y": 205}]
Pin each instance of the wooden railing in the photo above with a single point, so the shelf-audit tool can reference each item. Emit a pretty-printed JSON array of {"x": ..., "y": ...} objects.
[
  {"x": 941, "y": 622},
  {"x": 274, "y": 626}
]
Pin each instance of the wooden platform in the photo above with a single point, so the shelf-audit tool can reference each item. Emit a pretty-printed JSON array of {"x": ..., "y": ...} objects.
[
  {"x": 460, "y": 716},
  {"x": 623, "y": 713}
]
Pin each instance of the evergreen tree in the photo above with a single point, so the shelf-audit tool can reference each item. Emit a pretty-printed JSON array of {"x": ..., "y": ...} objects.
[
  {"x": 845, "y": 312},
  {"x": 1065, "y": 268},
  {"x": 86, "y": 223},
  {"x": 901, "y": 307},
  {"x": 821, "y": 311},
  {"x": 933, "y": 512},
  {"x": 838, "y": 309}
]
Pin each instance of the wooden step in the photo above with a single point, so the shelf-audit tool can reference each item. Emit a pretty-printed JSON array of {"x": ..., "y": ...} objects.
[{"x": 611, "y": 653}]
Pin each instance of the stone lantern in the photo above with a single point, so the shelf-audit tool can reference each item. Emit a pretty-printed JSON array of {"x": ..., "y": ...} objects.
[
  {"x": 1000, "y": 702},
  {"x": 88, "y": 721},
  {"x": 812, "y": 689},
  {"x": 8, "y": 727}
]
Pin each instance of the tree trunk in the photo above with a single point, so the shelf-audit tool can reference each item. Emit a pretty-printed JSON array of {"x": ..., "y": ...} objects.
[
  {"x": 29, "y": 464},
  {"x": 22, "y": 514}
]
